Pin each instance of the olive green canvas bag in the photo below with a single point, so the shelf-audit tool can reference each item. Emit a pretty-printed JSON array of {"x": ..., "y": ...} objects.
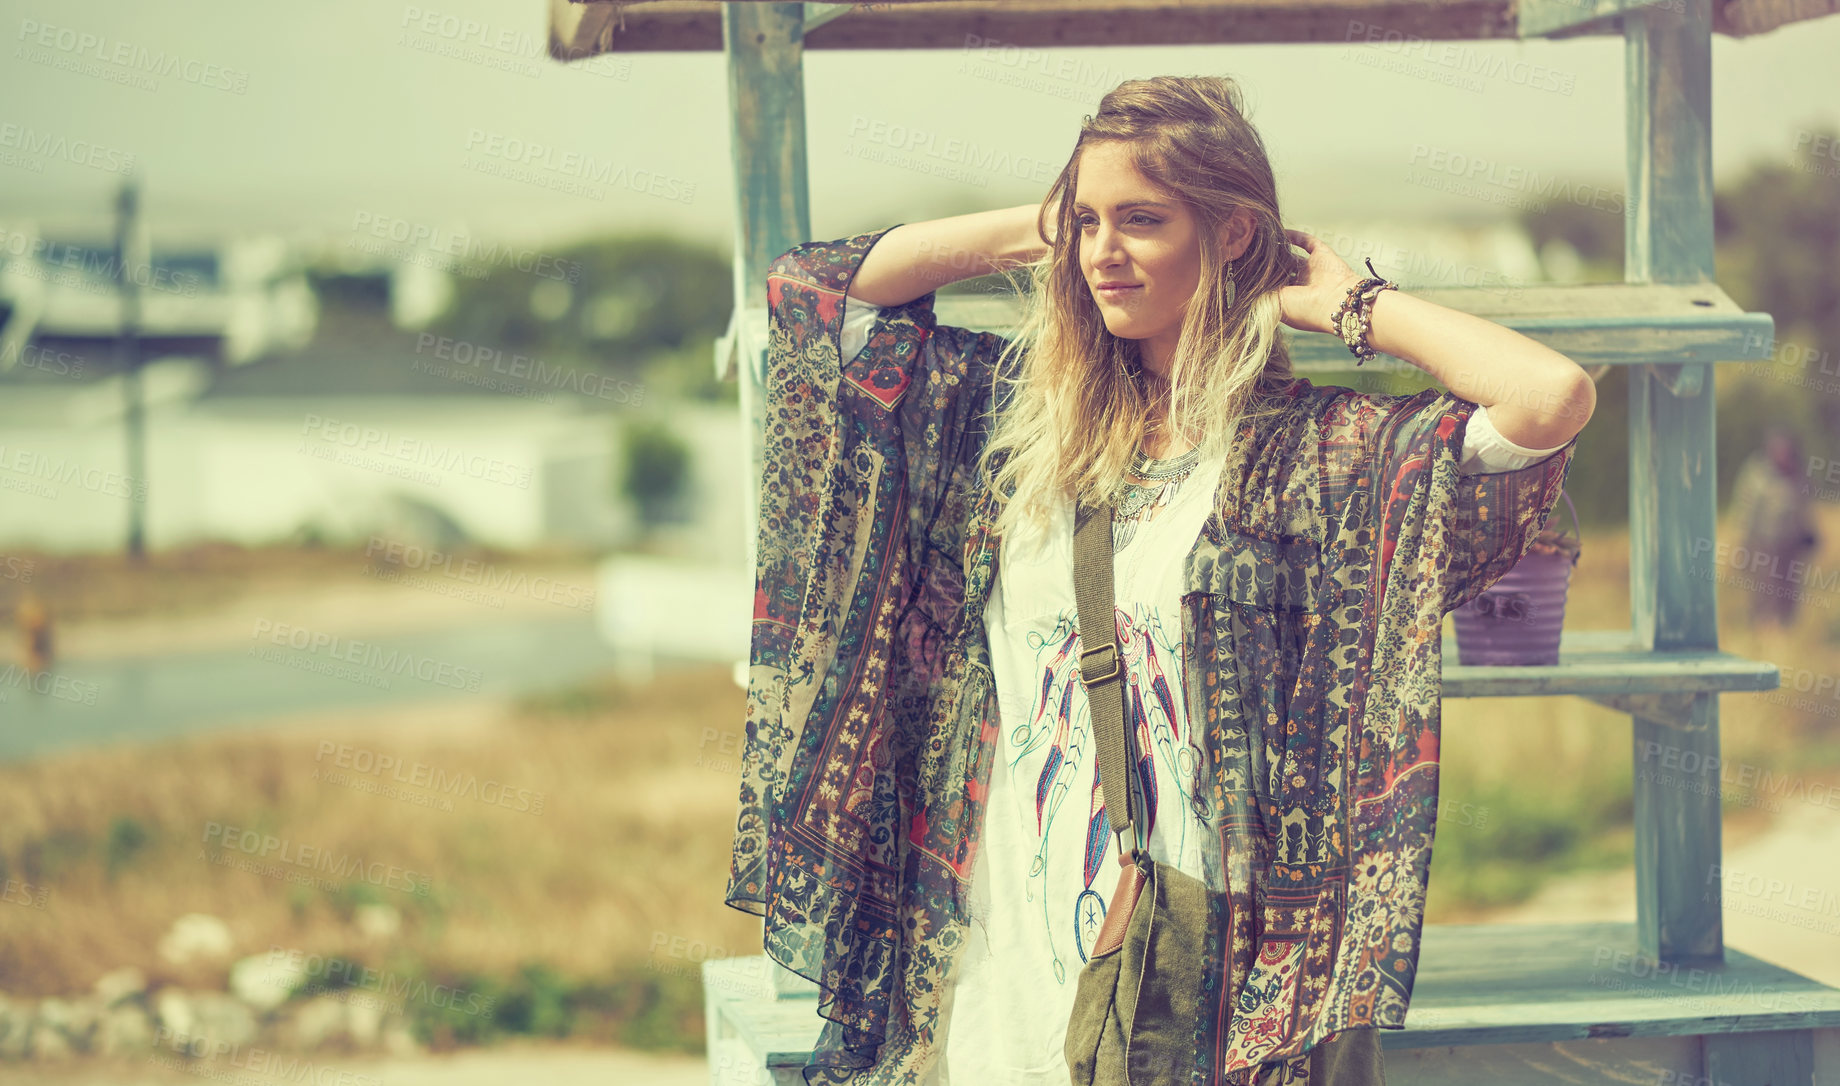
[{"x": 1137, "y": 996}]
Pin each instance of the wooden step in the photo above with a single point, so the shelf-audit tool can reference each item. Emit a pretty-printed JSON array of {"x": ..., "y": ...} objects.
[
  {"x": 1533, "y": 991},
  {"x": 1502, "y": 983}
]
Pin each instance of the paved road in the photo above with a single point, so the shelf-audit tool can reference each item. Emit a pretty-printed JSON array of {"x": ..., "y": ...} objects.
[
  {"x": 1779, "y": 885},
  {"x": 154, "y": 697}
]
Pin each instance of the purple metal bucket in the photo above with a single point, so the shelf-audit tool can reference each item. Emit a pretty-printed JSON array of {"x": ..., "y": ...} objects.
[{"x": 1517, "y": 619}]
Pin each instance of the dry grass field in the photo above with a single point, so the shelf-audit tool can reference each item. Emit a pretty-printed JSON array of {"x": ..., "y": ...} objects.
[{"x": 587, "y": 836}]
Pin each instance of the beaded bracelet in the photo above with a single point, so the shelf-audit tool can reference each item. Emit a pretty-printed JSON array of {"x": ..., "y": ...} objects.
[
  {"x": 1354, "y": 317},
  {"x": 1365, "y": 350}
]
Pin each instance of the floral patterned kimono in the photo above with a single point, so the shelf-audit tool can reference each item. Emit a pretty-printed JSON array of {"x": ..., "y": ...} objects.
[{"x": 1312, "y": 616}]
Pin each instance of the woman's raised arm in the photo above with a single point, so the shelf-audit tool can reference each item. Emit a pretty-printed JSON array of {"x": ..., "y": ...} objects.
[{"x": 916, "y": 258}]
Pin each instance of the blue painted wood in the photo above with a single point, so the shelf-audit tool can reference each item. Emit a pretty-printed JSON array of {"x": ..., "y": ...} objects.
[
  {"x": 1673, "y": 513},
  {"x": 1760, "y": 1059},
  {"x": 1601, "y": 662},
  {"x": 816, "y": 15},
  {"x": 1595, "y": 324},
  {"x": 1505, "y": 983},
  {"x": 1678, "y": 835},
  {"x": 766, "y": 89},
  {"x": 1596, "y": 1061}
]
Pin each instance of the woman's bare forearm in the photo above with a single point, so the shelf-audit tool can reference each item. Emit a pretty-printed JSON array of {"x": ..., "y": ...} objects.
[
  {"x": 1536, "y": 396},
  {"x": 919, "y": 257}
]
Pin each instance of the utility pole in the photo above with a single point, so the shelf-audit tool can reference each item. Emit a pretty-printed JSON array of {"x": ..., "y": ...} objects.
[{"x": 130, "y": 258}]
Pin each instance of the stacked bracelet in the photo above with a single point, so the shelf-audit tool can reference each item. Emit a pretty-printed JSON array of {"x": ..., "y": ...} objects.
[{"x": 1354, "y": 317}]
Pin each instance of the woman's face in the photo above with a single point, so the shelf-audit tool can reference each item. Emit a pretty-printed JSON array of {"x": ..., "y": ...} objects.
[{"x": 1129, "y": 233}]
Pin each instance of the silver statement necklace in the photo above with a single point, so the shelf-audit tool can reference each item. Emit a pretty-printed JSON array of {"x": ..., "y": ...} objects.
[{"x": 1162, "y": 478}]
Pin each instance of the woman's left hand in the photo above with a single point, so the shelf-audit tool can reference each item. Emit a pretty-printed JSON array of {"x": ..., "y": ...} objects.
[{"x": 1320, "y": 284}]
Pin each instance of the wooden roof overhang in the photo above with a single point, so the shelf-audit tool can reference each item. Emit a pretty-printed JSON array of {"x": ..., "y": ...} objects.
[{"x": 583, "y": 29}]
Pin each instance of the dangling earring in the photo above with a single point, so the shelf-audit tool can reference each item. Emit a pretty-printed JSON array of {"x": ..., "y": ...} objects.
[{"x": 1232, "y": 288}]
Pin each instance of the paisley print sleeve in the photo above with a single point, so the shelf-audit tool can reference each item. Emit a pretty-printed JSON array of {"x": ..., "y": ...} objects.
[
  {"x": 849, "y": 749},
  {"x": 1399, "y": 459}
]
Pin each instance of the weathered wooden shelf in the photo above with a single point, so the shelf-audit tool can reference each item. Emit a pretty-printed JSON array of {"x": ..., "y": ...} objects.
[
  {"x": 1608, "y": 662},
  {"x": 1618, "y": 324},
  {"x": 1592, "y": 324}
]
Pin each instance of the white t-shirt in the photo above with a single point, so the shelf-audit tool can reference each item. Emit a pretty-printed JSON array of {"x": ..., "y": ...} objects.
[{"x": 1047, "y": 862}]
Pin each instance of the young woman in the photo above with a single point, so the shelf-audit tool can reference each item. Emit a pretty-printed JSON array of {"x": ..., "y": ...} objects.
[{"x": 920, "y": 824}]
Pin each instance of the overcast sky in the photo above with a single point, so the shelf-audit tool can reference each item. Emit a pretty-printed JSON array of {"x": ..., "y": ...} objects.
[{"x": 340, "y": 113}]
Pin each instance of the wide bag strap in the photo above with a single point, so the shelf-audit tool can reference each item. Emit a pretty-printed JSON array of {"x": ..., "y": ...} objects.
[{"x": 1102, "y": 664}]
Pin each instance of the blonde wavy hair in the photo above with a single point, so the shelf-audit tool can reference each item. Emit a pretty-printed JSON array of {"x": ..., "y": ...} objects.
[{"x": 1080, "y": 400}]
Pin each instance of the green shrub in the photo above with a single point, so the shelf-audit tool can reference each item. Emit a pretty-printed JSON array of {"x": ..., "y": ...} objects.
[{"x": 657, "y": 469}]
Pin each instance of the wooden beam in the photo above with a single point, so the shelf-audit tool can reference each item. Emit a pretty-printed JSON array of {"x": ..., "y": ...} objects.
[
  {"x": 640, "y": 26},
  {"x": 579, "y": 31},
  {"x": 1567, "y": 18},
  {"x": 1742, "y": 18},
  {"x": 584, "y": 29}
]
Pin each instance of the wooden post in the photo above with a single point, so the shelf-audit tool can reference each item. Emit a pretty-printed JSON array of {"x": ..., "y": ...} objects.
[
  {"x": 766, "y": 108},
  {"x": 1672, "y": 511}
]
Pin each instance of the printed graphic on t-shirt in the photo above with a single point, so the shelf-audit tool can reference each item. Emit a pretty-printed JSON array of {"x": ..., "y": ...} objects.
[{"x": 1054, "y": 750}]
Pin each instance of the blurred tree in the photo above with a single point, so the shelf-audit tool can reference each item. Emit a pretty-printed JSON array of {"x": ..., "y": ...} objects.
[
  {"x": 1776, "y": 236},
  {"x": 613, "y": 303},
  {"x": 657, "y": 469},
  {"x": 691, "y": 373},
  {"x": 1596, "y": 236}
]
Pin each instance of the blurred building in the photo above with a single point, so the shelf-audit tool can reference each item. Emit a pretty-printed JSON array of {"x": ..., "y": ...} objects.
[
  {"x": 270, "y": 420},
  {"x": 227, "y": 300}
]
